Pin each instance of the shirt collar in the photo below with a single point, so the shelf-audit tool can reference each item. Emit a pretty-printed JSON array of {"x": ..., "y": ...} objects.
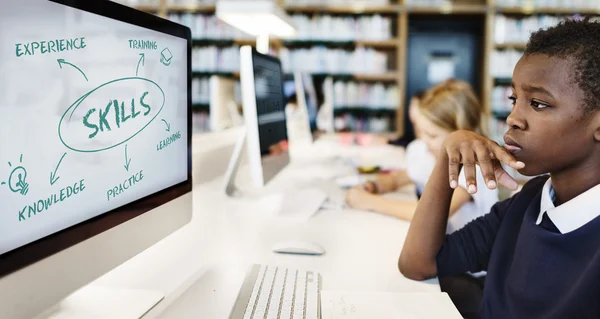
[{"x": 570, "y": 215}]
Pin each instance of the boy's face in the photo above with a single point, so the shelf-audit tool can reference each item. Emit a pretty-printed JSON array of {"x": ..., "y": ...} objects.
[{"x": 547, "y": 129}]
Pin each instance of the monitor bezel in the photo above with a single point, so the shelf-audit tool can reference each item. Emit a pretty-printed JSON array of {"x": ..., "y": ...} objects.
[{"x": 45, "y": 247}]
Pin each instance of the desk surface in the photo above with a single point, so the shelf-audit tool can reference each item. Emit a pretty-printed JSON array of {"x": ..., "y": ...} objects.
[{"x": 201, "y": 267}]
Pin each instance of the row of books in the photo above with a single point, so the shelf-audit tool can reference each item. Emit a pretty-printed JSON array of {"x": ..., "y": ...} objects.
[
  {"x": 427, "y": 3},
  {"x": 511, "y": 29},
  {"x": 200, "y": 90},
  {"x": 373, "y": 27},
  {"x": 320, "y": 59},
  {"x": 558, "y": 4},
  {"x": 200, "y": 122},
  {"x": 503, "y": 62},
  {"x": 336, "y": 2},
  {"x": 207, "y": 26},
  {"x": 212, "y": 59},
  {"x": 500, "y": 101},
  {"x": 375, "y": 96},
  {"x": 354, "y": 123}
]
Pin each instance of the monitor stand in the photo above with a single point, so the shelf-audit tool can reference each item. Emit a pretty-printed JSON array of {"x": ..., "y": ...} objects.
[
  {"x": 296, "y": 203},
  {"x": 234, "y": 165},
  {"x": 98, "y": 302}
]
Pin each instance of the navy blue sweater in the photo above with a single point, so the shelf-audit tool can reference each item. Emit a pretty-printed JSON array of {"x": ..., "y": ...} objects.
[{"x": 532, "y": 272}]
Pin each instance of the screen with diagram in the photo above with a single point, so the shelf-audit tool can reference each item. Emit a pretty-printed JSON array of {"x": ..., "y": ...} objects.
[{"x": 94, "y": 116}]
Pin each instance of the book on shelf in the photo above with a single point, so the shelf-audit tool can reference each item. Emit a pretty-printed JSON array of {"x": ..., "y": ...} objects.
[
  {"x": 347, "y": 28},
  {"x": 336, "y": 61},
  {"x": 554, "y": 4},
  {"x": 510, "y": 29},
  {"x": 336, "y": 2},
  {"x": 375, "y": 96}
]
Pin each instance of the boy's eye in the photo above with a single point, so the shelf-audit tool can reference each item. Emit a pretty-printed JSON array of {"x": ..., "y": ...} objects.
[
  {"x": 513, "y": 99},
  {"x": 538, "y": 105}
]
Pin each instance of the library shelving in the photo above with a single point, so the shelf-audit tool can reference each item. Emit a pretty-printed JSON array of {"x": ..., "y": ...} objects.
[{"x": 393, "y": 45}]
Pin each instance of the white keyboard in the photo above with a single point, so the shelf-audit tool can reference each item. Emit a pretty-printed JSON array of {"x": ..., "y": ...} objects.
[{"x": 276, "y": 292}]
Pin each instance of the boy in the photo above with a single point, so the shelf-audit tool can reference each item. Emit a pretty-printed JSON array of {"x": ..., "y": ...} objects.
[{"x": 541, "y": 248}]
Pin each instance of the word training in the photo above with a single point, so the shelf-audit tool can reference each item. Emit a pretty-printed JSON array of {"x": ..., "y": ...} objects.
[{"x": 143, "y": 45}]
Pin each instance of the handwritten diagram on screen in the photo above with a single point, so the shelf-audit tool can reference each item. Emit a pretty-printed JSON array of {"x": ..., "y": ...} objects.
[{"x": 94, "y": 116}]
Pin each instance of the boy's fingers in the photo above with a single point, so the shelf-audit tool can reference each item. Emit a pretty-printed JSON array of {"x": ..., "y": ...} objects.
[
  {"x": 453, "y": 166},
  {"x": 506, "y": 157},
  {"x": 468, "y": 159},
  {"x": 504, "y": 178},
  {"x": 486, "y": 164}
]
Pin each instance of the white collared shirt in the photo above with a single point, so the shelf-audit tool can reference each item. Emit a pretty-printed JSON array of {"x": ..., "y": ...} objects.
[{"x": 570, "y": 215}]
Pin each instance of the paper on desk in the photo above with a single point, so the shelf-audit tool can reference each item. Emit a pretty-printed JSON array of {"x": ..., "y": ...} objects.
[{"x": 386, "y": 305}]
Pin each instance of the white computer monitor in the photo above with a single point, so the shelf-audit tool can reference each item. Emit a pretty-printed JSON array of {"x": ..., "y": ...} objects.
[
  {"x": 264, "y": 115},
  {"x": 265, "y": 137},
  {"x": 95, "y": 143}
]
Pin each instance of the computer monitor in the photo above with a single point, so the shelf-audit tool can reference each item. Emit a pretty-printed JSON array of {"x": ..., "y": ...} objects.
[
  {"x": 95, "y": 143},
  {"x": 265, "y": 138},
  {"x": 264, "y": 114}
]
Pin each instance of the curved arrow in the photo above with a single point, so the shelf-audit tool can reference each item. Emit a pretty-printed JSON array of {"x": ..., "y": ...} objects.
[
  {"x": 53, "y": 177},
  {"x": 168, "y": 126},
  {"x": 62, "y": 61},
  {"x": 142, "y": 60}
]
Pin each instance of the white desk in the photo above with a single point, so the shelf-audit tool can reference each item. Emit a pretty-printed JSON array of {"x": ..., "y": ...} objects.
[{"x": 201, "y": 267}]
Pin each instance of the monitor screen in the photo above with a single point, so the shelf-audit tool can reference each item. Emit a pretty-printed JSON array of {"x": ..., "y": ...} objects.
[
  {"x": 95, "y": 117},
  {"x": 270, "y": 105}
]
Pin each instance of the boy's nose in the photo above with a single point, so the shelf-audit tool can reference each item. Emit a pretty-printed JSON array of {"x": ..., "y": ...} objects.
[{"x": 515, "y": 120}]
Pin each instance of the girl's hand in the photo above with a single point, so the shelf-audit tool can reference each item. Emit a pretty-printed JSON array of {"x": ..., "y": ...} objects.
[
  {"x": 359, "y": 198},
  {"x": 468, "y": 149},
  {"x": 370, "y": 187}
]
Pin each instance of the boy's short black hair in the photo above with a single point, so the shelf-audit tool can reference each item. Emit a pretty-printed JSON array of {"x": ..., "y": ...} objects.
[{"x": 579, "y": 42}]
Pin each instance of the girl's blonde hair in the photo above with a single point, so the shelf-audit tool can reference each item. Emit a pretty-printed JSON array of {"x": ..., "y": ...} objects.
[{"x": 453, "y": 105}]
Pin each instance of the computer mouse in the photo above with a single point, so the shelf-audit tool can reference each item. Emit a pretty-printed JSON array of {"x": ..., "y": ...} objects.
[{"x": 298, "y": 247}]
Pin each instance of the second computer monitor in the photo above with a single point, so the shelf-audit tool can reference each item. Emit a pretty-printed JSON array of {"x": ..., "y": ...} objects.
[{"x": 264, "y": 115}]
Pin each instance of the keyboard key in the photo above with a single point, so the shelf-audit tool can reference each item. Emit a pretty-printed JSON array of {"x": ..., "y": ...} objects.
[
  {"x": 254, "y": 295},
  {"x": 312, "y": 296},
  {"x": 276, "y": 293},
  {"x": 280, "y": 293}
]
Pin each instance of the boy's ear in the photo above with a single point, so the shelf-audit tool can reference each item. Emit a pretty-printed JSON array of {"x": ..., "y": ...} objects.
[{"x": 596, "y": 126}]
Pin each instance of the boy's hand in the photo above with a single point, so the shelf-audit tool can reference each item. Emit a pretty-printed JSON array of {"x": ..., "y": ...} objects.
[{"x": 470, "y": 149}]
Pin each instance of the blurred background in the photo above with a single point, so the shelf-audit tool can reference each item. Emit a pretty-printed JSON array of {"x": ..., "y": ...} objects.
[{"x": 367, "y": 58}]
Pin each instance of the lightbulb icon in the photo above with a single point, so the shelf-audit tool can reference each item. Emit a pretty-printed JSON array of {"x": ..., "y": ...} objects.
[{"x": 17, "y": 179}]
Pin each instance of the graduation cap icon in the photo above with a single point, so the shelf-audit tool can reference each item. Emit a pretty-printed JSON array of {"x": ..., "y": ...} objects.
[{"x": 166, "y": 57}]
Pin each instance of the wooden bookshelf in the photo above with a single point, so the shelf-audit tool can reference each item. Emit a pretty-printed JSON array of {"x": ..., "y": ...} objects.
[
  {"x": 191, "y": 8},
  {"x": 148, "y": 8},
  {"x": 384, "y": 77},
  {"x": 553, "y": 11},
  {"x": 510, "y": 45},
  {"x": 363, "y": 109},
  {"x": 449, "y": 9},
  {"x": 401, "y": 13},
  {"x": 343, "y": 9},
  {"x": 391, "y": 43},
  {"x": 378, "y": 44}
]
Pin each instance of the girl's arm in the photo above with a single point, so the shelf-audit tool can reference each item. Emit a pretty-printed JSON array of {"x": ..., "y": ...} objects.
[
  {"x": 386, "y": 183},
  {"x": 405, "y": 210}
]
